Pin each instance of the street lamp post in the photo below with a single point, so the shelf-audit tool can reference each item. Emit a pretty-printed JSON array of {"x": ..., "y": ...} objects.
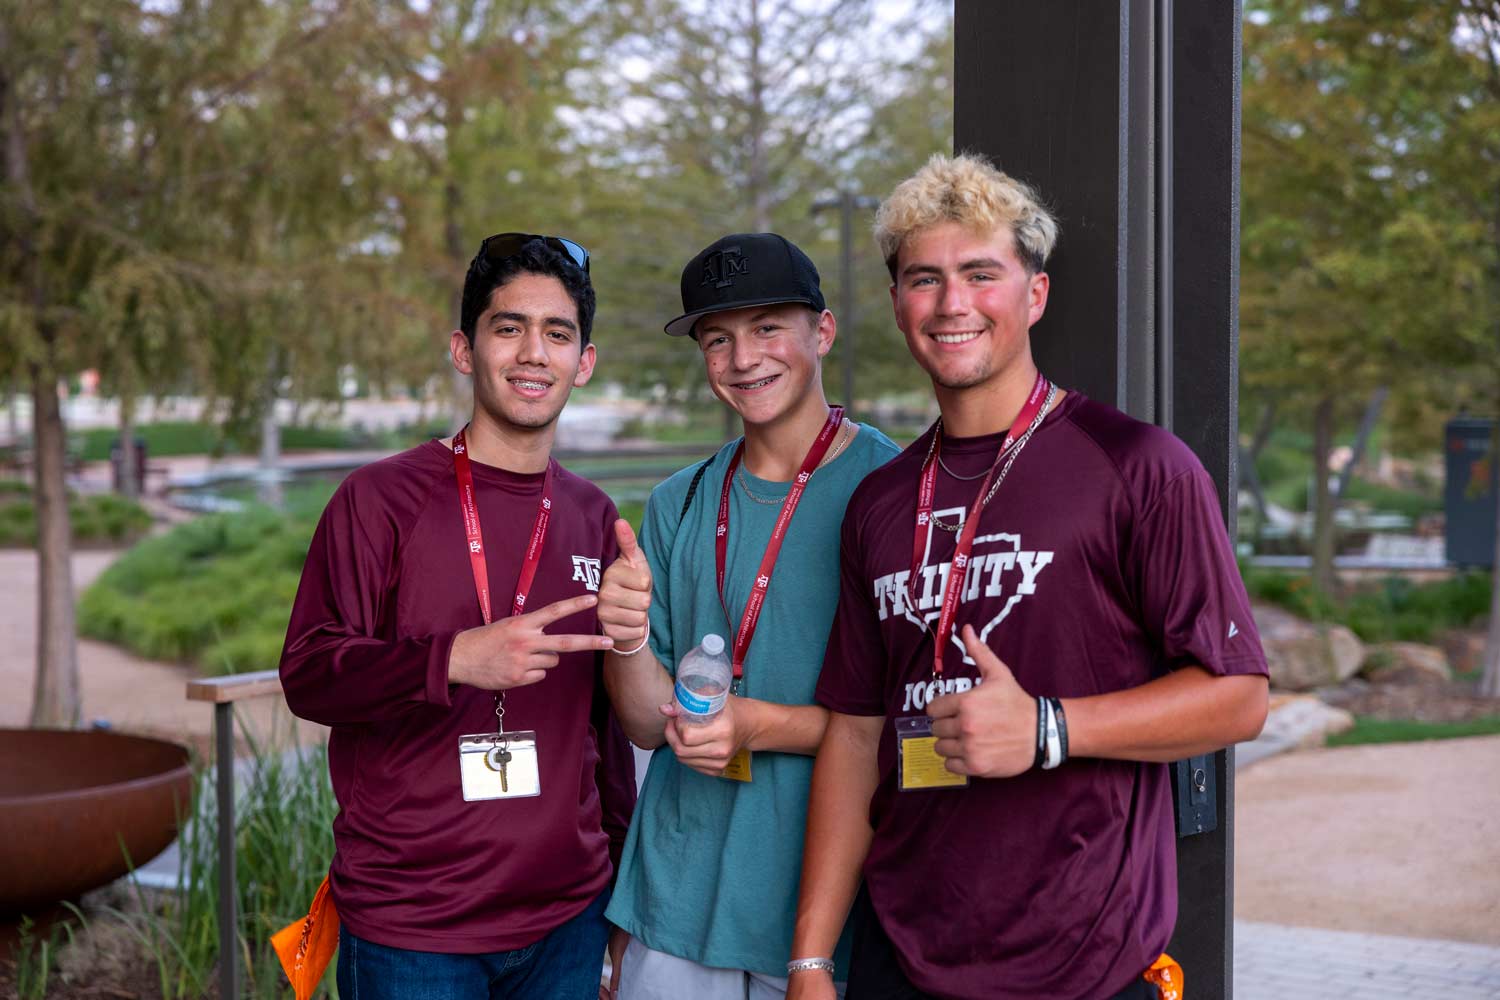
[{"x": 846, "y": 201}]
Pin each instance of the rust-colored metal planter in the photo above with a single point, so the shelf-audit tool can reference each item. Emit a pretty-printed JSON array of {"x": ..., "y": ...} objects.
[{"x": 74, "y": 806}]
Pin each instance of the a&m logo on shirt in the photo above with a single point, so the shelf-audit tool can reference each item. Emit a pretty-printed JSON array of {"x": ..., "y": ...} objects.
[{"x": 587, "y": 571}]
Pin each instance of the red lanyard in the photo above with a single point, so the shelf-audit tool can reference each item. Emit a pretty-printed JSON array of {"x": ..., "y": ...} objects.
[
  {"x": 927, "y": 486},
  {"x": 762, "y": 583},
  {"x": 465, "y": 475}
]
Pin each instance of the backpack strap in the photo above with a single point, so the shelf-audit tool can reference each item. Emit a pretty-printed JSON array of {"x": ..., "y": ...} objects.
[{"x": 693, "y": 488}]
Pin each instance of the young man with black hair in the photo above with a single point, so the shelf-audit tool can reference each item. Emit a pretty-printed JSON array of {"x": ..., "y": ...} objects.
[
  {"x": 445, "y": 629},
  {"x": 709, "y": 879},
  {"x": 1039, "y": 610}
]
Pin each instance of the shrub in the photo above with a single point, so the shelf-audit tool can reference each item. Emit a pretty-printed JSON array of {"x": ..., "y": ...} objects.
[
  {"x": 95, "y": 519},
  {"x": 212, "y": 591},
  {"x": 1394, "y": 609}
]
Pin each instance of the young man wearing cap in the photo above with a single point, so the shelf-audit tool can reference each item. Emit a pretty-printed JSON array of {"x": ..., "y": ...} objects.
[
  {"x": 1007, "y": 799},
  {"x": 707, "y": 886},
  {"x": 450, "y": 592}
]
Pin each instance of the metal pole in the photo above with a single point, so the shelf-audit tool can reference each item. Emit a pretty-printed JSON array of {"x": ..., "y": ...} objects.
[
  {"x": 846, "y": 292},
  {"x": 1165, "y": 266},
  {"x": 228, "y": 909}
]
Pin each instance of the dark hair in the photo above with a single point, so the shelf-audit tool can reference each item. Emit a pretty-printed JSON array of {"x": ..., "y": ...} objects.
[{"x": 486, "y": 274}]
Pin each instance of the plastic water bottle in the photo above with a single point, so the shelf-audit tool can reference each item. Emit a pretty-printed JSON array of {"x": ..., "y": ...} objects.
[{"x": 703, "y": 681}]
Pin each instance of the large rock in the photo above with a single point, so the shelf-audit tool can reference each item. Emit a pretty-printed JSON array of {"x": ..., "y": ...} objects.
[
  {"x": 1294, "y": 722},
  {"x": 1405, "y": 662},
  {"x": 1304, "y": 655}
]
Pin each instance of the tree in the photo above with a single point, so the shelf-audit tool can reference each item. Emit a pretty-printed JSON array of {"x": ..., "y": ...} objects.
[
  {"x": 140, "y": 197},
  {"x": 1353, "y": 260},
  {"x": 476, "y": 88},
  {"x": 738, "y": 117}
]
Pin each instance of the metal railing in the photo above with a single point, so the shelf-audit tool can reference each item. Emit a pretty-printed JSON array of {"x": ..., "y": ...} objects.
[{"x": 223, "y": 692}]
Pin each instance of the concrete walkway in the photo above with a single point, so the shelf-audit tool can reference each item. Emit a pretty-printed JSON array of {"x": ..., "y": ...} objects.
[{"x": 1275, "y": 962}]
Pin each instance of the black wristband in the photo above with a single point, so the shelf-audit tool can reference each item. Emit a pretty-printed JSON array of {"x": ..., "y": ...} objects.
[
  {"x": 1041, "y": 733},
  {"x": 1062, "y": 726}
]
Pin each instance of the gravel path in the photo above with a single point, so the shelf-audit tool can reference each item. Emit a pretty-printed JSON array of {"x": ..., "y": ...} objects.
[{"x": 1400, "y": 839}]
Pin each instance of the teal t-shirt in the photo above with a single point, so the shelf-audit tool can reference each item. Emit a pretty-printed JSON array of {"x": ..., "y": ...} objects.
[{"x": 711, "y": 866}]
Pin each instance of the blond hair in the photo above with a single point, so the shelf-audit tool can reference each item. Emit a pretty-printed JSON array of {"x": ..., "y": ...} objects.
[{"x": 970, "y": 190}]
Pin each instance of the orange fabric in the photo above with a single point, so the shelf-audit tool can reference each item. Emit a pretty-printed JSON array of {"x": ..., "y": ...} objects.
[
  {"x": 1165, "y": 974},
  {"x": 307, "y": 946}
]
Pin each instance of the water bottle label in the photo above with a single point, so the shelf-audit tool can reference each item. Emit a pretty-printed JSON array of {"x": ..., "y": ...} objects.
[{"x": 699, "y": 704}]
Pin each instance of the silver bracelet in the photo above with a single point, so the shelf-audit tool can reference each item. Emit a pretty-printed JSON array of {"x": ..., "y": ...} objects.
[
  {"x": 804, "y": 964},
  {"x": 644, "y": 640}
]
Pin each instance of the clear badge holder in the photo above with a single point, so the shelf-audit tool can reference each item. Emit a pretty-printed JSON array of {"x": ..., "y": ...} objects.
[
  {"x": 499, "y": 765},
  {"x": 918, "y": 764}
]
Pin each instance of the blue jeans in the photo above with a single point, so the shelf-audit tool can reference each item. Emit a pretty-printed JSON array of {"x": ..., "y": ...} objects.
[{"x": 564, "y": 965}]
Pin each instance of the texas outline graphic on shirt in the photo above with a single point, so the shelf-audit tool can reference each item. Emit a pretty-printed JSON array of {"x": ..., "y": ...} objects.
[{"x": 987, "y": 569}]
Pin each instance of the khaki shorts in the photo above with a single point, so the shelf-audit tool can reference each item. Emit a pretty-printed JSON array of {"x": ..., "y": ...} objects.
[{"x": 646, "y": 974}]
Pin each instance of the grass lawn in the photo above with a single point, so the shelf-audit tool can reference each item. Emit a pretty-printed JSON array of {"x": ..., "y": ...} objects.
[
  {"x": 185, "y": 437},
  {"x": 1368, "y": 730}
]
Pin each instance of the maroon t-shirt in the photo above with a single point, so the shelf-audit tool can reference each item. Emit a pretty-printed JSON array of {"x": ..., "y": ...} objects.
[
  {"x": 386, "y": 587},
  {"x": 1101, "y": 563}
]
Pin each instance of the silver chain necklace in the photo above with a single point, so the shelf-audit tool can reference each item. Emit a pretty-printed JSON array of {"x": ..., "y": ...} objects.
[
  {"x": 1010, "y": 458},
  {"x": 963, "y": 479},
  {"x": 844, "y": 437}
]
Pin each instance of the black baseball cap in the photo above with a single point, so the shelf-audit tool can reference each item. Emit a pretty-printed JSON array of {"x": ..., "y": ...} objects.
[{"x": 745, "y": 269}]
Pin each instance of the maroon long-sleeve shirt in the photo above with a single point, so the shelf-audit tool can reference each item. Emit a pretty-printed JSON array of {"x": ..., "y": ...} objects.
[{"x": 386, "y": 587}]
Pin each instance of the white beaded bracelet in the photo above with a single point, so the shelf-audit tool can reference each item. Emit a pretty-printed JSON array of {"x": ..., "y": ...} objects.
[
  {"x": 804, "y": 964},
  {"x": 645, "y": 639}
]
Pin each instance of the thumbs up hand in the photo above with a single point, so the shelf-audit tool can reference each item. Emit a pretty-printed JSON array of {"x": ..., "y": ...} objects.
[
  {"x": 625, "y": 592},
  {"x": 988, "y": 731}
]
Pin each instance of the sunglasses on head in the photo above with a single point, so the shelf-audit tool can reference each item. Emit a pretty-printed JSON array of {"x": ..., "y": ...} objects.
[{"x": 503, "y": 245}]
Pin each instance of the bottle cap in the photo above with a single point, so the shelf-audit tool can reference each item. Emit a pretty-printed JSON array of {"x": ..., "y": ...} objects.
[{"x": 712, "y": 644}]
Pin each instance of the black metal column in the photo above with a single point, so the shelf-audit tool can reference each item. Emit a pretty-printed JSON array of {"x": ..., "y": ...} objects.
[{"x": 1125, "y": 114}]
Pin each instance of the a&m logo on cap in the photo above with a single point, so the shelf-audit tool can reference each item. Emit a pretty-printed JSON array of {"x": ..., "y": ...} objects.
[{"x": 722, "y": 266}]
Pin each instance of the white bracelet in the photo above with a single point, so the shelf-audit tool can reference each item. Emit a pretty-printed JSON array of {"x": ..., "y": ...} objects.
[
  {"x": 644, "y": 640},
  {"x": 805, "y": 964},
  {"x": 1054, "y": 740}
]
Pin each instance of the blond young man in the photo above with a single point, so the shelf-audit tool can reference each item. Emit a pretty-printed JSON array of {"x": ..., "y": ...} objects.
[{"x": 1007, "y": 801}]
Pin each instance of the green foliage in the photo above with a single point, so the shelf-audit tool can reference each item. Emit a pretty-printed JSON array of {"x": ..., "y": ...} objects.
[
  {"x": 183, "y": 437},
  {"x": 96, "y": 519},
  {"x": 1411, "y": 504},
  {"x": 1394, "y": 610},
  {"x": 35, "y": 956},
  {"x": 1284, "y": 467},
  {"x": 283, "y": 847},
  {"x": 633, "y": 511},
  {"x": 216, "y": 591},
  {"x": 1371, "y": 730}
]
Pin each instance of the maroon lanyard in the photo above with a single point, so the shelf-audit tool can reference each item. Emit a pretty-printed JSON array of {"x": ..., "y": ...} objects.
[
  {"x": 762, "y": 583},
  {"x": 927, "y": 486},
  {"x": 465, "y": 475}
]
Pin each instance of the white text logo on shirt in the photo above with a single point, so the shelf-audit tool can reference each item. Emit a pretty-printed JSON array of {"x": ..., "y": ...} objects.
[
  {"x": 998, "y": 567},
  {"x": 586, "y": 570}
]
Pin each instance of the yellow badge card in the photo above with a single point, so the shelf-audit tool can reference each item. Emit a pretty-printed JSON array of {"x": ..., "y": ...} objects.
[
  {"x": 738, "y": 768},
  {"x": 918, "y": 761}
]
